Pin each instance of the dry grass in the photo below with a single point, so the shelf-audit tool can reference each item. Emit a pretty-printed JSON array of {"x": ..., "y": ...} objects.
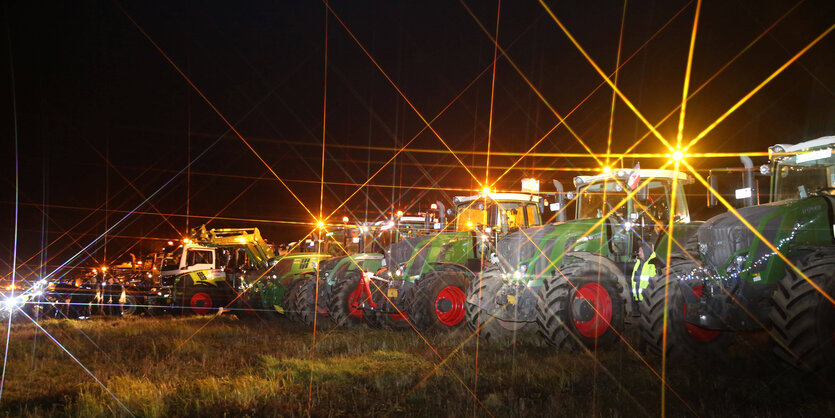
[{"x": 258, "y": 368}]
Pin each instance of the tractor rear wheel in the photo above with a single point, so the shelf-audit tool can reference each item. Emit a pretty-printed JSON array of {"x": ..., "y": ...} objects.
[
  {"x": 803, "y": 318},
  {"x": 201, "y": 300},
  {"x": 377, "y": 319},
  {"x": 579, "y": 306},
  {"x": 495, "y": 330},
  {"x": 438, "y": 300},
  {"x": 345, "y": 304},
  {"x": 684, "y": 340},
  {"x": 306, "y": 301}
]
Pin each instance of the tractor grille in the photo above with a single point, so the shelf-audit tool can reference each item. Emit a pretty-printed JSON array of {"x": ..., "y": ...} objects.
[{"x": 723, "y": 235}]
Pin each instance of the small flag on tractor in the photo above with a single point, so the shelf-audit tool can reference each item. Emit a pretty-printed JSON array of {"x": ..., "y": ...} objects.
[{"x": 635, "y": 177}]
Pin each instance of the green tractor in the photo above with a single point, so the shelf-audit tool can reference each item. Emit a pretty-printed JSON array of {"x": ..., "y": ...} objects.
[
  {"x": 781, "y": 277},
  {"x": 571, "y": 281},
  {"x": 424, "y": 279},
  {"x": 358, "y": 250},
  {"x": 277, "y": 291}
]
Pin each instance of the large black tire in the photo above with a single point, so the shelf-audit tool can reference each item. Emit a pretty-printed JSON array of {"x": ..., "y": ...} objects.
[
  {"x": 494, "y": 330},
  {"x": 290, "y": 301},
  {"x": 684, "y": 341},
  {"x": 201, "y": 300},
  {"x": 128, "y": 306},
  {"x": 345, "y": 304},
  {"x": 580, "y": 307},
  {"x": 306, "y": 300},
  {"x": 437, "y": 303},
  {"x": 803, "y": 318}
]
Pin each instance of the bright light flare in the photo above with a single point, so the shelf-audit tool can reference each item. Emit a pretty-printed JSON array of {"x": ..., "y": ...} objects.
[
  {"x": 486, "y": 190},
  {"x": 320, "y": 224},
  {"x": 607, "y": 170},
  {"x": 677, "y": 156}
]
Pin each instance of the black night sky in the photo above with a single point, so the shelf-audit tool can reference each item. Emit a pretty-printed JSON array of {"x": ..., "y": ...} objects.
[{"x": 103, "y": 121}]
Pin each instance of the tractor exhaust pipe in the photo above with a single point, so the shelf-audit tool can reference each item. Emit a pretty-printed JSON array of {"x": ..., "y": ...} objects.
[
  {"x": 560, "y": 201},
  {"x": 748, "y": 180}
]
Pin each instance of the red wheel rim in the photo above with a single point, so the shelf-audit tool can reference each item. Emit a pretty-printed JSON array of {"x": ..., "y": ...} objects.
[
  {"x": 399, "y": 316},
  {"x": 696, "y": 332},
  {"x": 201, "y": 303},
  {"x": 602, "y": 303},
  {"x": 456, "y": 298},
  {"x": 354, "y": 299}
]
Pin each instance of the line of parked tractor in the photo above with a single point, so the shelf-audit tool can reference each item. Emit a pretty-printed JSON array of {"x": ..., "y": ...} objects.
[{"x": 516, "y": 266}]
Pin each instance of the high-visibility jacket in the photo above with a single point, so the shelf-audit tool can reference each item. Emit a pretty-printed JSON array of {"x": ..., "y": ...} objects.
[{"x": 641, "y": 273}]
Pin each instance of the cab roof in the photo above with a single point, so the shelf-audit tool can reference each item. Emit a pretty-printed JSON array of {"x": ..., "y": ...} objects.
[
  {"x": 623, "y": 174},
  {"x": 515, "y": 197},
  {"x": 821, "y": 142}
]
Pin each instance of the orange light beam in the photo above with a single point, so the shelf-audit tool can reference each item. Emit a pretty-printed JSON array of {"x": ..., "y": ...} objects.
[
  {"x": 324, "y": 130},
  {"x": 403, "y": 148},
  {"x": 687, "y": 73},
  {"x": 393, "y": 84},
  {"x": 209, "y": 102},
  {"x": 614, "y": 96},
  {"x": 669, "y": 253},
  {"x": 719, "y": 71},
  {"x": 492, "y": 95},
  {"x": 757, "y": 89},
  {"x": 608, "y": 81},
  {"x": 529, "y": 83}
]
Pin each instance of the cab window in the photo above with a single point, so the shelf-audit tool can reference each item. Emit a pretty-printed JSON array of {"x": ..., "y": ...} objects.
[{"x": 194, "y": 257}]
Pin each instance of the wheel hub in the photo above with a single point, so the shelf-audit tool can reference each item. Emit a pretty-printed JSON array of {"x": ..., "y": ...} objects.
[
  {"x": 449, "y": 305},
  {"x": 582, "y": 309}
]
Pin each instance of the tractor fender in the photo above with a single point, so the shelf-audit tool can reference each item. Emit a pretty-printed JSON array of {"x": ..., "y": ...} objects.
[{"x": 609, "y": 267}]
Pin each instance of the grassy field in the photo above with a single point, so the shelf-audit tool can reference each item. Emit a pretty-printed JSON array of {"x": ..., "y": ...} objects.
[{"x": 154, "y": 367}]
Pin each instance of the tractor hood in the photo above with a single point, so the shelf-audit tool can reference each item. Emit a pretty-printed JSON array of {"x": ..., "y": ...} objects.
[
  {"x": 537, "y": 250},
  {"x": 415, "y": 251},
  {"x": 725, "y": 236}
]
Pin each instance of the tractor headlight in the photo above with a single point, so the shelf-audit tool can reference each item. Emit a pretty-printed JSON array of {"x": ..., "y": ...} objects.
[
  {"x": 765, "y": 169},
  {"x": 12, "y": 303}
]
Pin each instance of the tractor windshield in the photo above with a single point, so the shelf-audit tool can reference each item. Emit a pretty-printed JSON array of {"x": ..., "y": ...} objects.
[
  {"x": 602, "y": 197},
  {"x": 172, "y": 260},
  {"x": 798, "y": 175},
  {"x": 506, "y": 215}
]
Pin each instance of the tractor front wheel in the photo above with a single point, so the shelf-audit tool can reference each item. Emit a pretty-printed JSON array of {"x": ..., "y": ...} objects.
[
  {"x": 804, "y": 318},
  {"x": 438, "y": 300},
  {"x": 684, "y": 340},
  {"x": 580, "y": 307},
  {"x": 347, "y": 297},
  {"x": 201, "y": 300},
  {"x": 492, "y": 329}
]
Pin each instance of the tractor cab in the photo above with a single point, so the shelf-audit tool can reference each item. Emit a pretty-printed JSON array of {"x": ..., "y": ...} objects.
[
  {"x": 497, "y": 212},
  {"x": 637, "y": 215},
  {"x": 801, "y": 170}
]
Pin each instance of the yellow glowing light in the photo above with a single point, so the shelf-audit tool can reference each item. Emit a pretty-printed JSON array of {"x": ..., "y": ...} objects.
[
  {"x": 399, "y": 213},
  {"x": 321, "y": 224},
  {"x": 486, "y": 190},
  {"x": 469, "y": 224},
  {"x": 607, "y": 170},
  {"x": 103, "y": 268},
  {"x": 170, "y": 242},
  {"x": 678, "y": 155},
  {"x": 186, "y": 241},
  {"x": 344, "y": 220}
]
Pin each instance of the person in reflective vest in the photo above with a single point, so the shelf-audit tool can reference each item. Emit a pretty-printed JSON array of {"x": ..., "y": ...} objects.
[{"x": 644, "y": 270}]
